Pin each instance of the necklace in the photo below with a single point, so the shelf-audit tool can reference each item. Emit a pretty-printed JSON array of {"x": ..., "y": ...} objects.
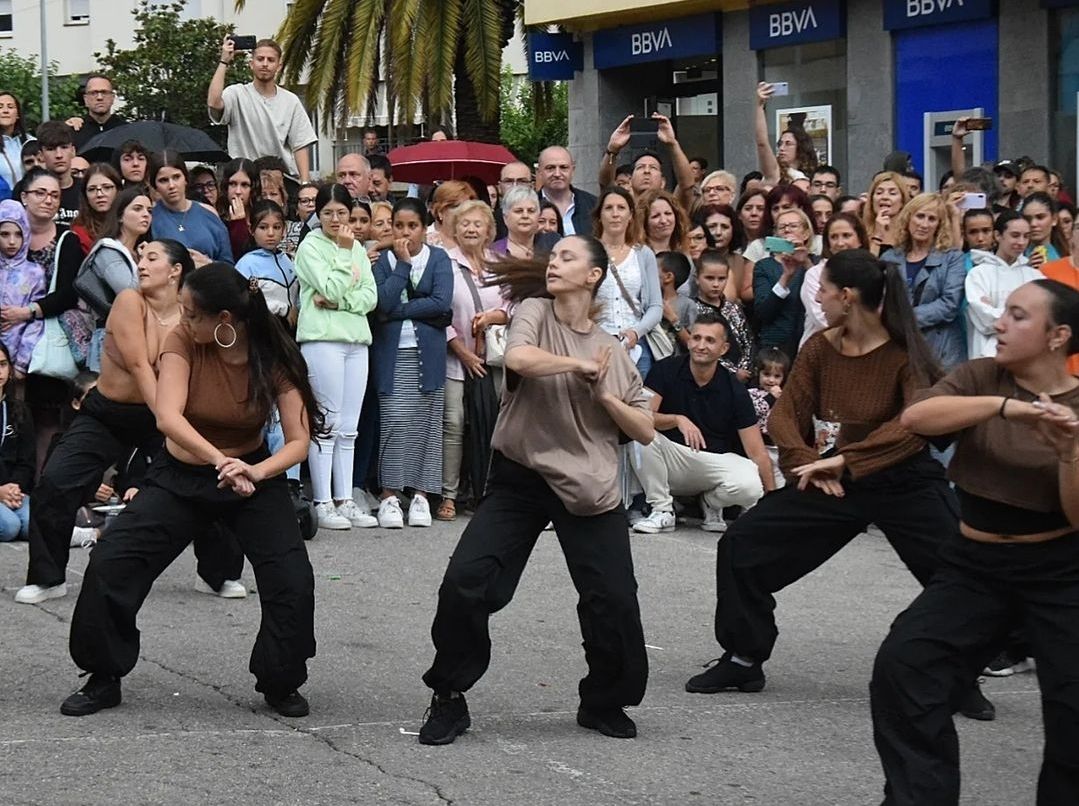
[
  {"x": 180, "y": 226},
  {"x": 167, "y": 321},
  {"x": 618, "y": 253}
]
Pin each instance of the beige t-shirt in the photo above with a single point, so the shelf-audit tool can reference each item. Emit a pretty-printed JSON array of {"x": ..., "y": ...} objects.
[
  {"x": 552, "y": 425},
  {"x": 260, "y": 126}
]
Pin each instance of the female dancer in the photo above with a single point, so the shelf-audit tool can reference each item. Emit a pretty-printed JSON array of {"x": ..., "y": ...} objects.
[
  {"x": 860, "y": 373},
  {"x": 571, "y": 392},
  {"x": 222, "y": 372},
  {"x": 1014, "y": 561},
  {"x": 116, "y": 416},
  {"x": 337, "y": 292}
]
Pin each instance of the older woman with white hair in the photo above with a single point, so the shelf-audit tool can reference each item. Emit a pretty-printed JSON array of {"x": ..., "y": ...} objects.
[
  {"x": 476, "y": 306},
  {"x": 520, "y": 210},
  {"x": 718, "y": 188}
]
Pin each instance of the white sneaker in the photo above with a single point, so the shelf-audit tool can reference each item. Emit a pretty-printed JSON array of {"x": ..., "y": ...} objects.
[
  {"x": 351, "y": 511},
  {"x": 230, "y": 588},
  {"x": 390, "y": 515},
  {"x": 658, "y": 521},
  {"x": 713, "y": 519},
  {"x": 329, "y": 517},
  {"x": 419, "y": 512},
  {"x": 635, "y": 516},
  {"x": 549, "y": 527},
  {"x": 83, "y": 537},
  {"x": 35, "y": 594}
]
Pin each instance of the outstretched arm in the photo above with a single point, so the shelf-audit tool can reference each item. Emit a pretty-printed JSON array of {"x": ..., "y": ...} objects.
[{"x": 766, "y": 158}]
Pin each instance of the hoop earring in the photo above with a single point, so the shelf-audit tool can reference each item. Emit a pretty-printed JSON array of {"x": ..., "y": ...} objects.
[{"x": 217, "y": 338}]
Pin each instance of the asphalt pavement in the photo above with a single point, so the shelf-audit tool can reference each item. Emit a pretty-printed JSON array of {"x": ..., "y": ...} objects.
[{"x": 192, "y": 730}]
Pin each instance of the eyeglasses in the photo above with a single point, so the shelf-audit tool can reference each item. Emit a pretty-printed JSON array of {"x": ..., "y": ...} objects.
[
  {"x": 204, "y": 186},
  {"x": 99, "y": 93},
  {"x": 791, "y": 226},
  {"x": 335, "y": 215},
  {"x": 512, "y": 182},
  {"x": 717, "y": 189},
  {"x": 100, "y": 190},
  {"x": 41, "y": 194},
  {"x": 305, "y": 202}
]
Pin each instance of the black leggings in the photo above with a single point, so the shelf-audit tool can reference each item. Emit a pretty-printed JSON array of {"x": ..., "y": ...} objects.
[
  {"x": 789, "y": 533},
  {"x": 946, "y": 637},
  {"x": 180, "y": 500},
  {"x": 487, "y": 565},
  {"x": 103, "y": 433}
]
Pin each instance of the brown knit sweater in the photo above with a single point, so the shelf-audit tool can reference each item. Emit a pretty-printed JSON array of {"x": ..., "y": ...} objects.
[{"x": 864, "y": 394}]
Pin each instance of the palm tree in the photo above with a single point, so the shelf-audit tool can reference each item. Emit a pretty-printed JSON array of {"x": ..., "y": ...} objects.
[{"x": 421, "y": 46}]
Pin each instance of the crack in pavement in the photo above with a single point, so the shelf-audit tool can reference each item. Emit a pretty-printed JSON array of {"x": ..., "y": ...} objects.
[{"x": 324, "y": 740}]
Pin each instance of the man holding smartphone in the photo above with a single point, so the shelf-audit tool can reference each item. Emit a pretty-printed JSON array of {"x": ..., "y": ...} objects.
[{"x": 263, "y": 119}]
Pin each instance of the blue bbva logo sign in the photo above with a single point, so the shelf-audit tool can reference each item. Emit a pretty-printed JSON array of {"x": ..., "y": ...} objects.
[
  {"x": 675, "y": 39},
  {"x": 917, "y": 13},
  {"x": 553, "y": 57},
  {"x": 774, "y": 26}
]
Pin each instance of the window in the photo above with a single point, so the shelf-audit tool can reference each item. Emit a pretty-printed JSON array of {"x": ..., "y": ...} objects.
[
  {"x": 78, "y": 12},
  {"x": 5, "y": 17}
]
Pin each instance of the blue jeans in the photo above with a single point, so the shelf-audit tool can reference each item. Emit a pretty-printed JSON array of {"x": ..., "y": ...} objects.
[
  {"x": 14, "y": 523},
  {"x": 275, "y": 441},
  {"x": 645, "y": 361}
]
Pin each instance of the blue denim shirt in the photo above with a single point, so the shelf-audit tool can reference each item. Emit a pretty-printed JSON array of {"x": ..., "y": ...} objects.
[{"x": 937, "y": 294}]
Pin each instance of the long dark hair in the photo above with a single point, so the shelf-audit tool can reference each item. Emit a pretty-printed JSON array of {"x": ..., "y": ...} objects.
[
  {"x": 165, "y": 159},
  {"x": 271, "y": 352},
  {"x": 633, "y": 231},
  {"x": 1056, "y": 238},
  {"x": 176, "y": 252},
  {"x": 230, "y": 169},
  {"x": 338, "y": 193},
  {"x": 95, "y": 223},
  {"x": 738, "y": 232},
  {"x": 113, "y": 226},
  {"x": 524, "y": 278},
  {"x": 1063, "y": 309},
  {"x": 880, "y": 286},
  {"x": 797, "y": 197},
  {"x": 853, "y": 222},
  {"x": 805, "y": 153}
]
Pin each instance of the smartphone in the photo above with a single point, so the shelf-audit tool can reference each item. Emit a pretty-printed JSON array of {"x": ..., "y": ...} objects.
[
  {"x": 243, "y": 42},
  {"x": 781, "y": 88},
  {"x": 778, "y": 246},
  {"x": 643, "y": 133},
  {"x": 979, "y": 124},
  {"x": 972, "y": 201}
]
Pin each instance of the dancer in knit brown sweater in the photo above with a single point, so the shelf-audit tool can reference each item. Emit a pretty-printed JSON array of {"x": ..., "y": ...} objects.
[{"x": 858, "y": 374}]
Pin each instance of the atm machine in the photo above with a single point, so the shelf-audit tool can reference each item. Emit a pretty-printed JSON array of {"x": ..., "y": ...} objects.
[{"x": 937, "y": 158}]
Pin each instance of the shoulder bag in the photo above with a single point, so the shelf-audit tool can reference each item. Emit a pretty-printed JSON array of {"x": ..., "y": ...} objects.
[
  {"x": 494, "y": 336},
  {"x": 659, "y": 340},
  {"x": 52, "y": 355}
]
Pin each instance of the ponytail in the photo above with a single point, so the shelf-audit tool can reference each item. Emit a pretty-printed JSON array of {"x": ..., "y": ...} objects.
[
  {"x": 271, "y": 352},
  {"x": 881, "y": 286}
]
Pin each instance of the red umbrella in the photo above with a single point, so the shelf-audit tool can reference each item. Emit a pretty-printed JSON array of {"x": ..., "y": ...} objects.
[{"x": 425, "y": 163}]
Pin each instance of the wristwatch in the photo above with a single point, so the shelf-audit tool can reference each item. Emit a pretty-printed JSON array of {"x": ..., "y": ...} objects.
[{"x": 675, "y": 327}]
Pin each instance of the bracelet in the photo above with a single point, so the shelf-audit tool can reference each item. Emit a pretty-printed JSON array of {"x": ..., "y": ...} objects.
[
  {"x": 221, "y": 61},
  {"x": 1003, "y": 403},
  {"x": 612, "y": 155}
]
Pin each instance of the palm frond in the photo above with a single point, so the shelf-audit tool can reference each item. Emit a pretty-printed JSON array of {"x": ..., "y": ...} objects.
[
  {"x": 361, "y": 80},
  {"x": 483, "y": 52},
  {"x": 443, "y": 22},
  {"x": 406, "y": 45},
  {"x": 296, "y": 35}
]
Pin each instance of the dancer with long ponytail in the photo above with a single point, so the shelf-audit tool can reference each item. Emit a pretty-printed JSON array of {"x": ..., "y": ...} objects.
[
  {"x": 222, "y": 372},
  {"x": 859, "y": 373}
]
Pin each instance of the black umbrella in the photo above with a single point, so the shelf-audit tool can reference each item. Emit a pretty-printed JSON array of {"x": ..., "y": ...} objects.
[
  {"x": 194, "y": 145},
  {"x": 481, "y": 412}
]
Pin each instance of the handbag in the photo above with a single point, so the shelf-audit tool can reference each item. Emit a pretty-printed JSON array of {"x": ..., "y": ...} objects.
[
  {"x": 659, "y": 340},
  {"x": 494, "y": 337},
  {"x": 52, "y": 356}
]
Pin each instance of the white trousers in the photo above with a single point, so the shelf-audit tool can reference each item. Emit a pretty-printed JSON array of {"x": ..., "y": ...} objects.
[
  {"x": 338, "y": 374},
  {"x": 667, "y": 469}
]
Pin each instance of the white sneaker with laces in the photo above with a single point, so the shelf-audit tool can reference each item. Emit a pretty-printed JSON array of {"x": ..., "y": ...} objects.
[
  {"x": 713, "y": 519},
  {"x": 230, "y": 588},
  {"x": 419, "y": 512},
  {"x": 329, "y": 518},
  {"x": 35, "y": 594},
  {"x": 351, "y": 511},
  {"x": 658, "y": 521},
  {"x": 390, "y": 515},
  {"x": 83, "y": 537}
]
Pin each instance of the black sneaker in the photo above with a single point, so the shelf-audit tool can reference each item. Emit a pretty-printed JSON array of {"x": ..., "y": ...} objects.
[
  {"x": 445, "y": 720},
  {"x": 611, "y": 722},
  {"x": 1006, "y": 664},
  {"x": 291, "y": 705},
  {"x": 974, "y": 705},
  {"x": 726, "y": 675},
  {"x": 100, "y": 691}
]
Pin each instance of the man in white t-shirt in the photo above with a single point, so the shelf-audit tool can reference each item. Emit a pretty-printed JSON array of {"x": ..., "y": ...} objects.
[{"x": 263, "y": 119}]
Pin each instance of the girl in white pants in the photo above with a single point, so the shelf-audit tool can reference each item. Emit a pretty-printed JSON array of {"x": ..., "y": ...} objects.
[{"x": 338, "y": 290}]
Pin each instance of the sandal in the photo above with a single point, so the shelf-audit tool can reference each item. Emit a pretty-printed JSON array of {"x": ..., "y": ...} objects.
[{"x": 447, "y": 510}]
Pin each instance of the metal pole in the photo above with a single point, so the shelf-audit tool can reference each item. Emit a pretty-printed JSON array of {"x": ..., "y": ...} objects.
[{"x": 44, "y": 64}]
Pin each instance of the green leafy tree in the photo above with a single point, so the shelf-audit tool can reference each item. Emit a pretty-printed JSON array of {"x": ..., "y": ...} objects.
[
  {"x": 21, "y": 76},
  {"x": 436, "y": 55},
  {"x": 167, "y": 72},
  {"x": 534, "y": 116}
]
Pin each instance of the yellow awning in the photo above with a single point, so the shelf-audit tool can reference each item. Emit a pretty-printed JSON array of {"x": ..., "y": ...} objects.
[{"x": 587, "y": 15}]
